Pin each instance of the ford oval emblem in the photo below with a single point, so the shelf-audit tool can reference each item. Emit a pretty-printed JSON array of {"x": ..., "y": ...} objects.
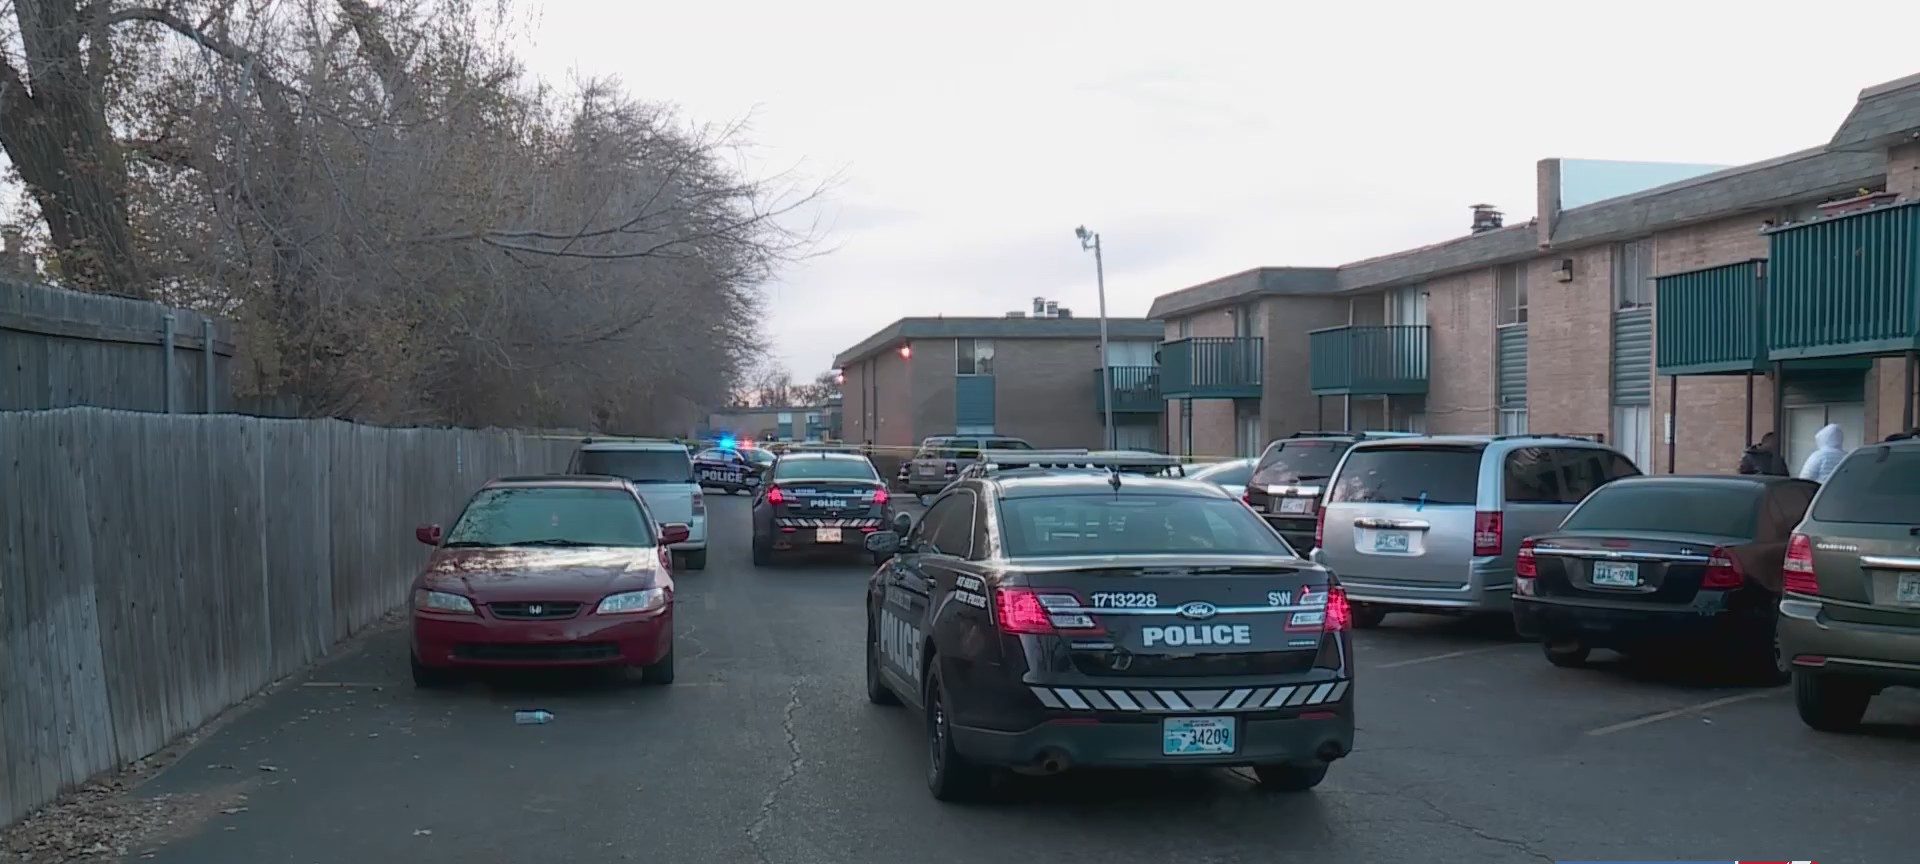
[{"x": 1197, "y": 611}]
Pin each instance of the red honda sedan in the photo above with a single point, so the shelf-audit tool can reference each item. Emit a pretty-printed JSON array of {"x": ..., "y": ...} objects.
[{"x": 547, "y": 571}]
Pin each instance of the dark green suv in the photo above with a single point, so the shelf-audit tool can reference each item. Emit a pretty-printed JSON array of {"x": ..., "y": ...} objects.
[{"x": 1850, "y": 613}]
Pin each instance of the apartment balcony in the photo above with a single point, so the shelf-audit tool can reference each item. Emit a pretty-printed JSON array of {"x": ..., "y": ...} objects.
[
  {"x": 1211, "y": 367},
  {"x": 1371, "y": 360},
  {"x": 1136, "y": 390},
  {"x": 1711, "y": 321},
  {"x": 1846, "y": 286}
]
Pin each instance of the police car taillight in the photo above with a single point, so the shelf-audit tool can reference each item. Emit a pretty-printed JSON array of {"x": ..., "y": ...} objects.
[
  {"x": 775, "y": 496},
  {"x": 880, "y": 497},
  {"x": 1041, "y": 612},
  {"x": 1334, "y": 615}
]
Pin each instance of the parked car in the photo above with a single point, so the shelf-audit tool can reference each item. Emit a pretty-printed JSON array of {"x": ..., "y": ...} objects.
[
  {"x": 1432, "y": 524},
  {"x": 663, "y": 472},
  {"x": 728, "y": 470},
  {"x": 1850, "y": 619},
  {"x": 1646, "y": 563},
  {"x": 940, "y": 458},
  {"x": 546, "y": 571},
  {"x": 1286, "y": 483},
  {"x": 814, "y": 500},
  {"x": 1231, "y": 475}
]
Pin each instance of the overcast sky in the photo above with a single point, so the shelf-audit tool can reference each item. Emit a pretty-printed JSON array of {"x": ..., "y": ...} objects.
[{"x": 973, "y": 137}]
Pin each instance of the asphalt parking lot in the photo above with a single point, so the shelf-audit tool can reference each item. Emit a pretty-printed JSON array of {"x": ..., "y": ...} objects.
[{"x": 1470, "y": 748}]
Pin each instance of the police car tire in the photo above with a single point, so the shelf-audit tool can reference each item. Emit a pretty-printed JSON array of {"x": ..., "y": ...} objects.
[
  {"x": 1367, "y": 616},
  {"x": 693, "y": 560},
  {"x": 762, "y": 554},
  {"x": 950, "y": 776},
  {"x": 1290, "y": 778},
  {"x": 877, "y": 690},
  {"x": 660, "y": 673},
  {"x": 1566, "y": 654}
]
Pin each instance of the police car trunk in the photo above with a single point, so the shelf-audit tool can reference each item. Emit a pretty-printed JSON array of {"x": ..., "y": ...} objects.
[{"x": 1232, "y": 655}]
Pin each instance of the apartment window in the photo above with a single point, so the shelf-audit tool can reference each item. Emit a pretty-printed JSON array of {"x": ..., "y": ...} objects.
[
  {"x": 1633, "y": 274},
  {"x": 1186, "y": 328},
  {"x": 1407, "y": 306},
  {"x": 1510, "y": 290},
  {"x": 976, "y": 357},
  {"x": 1513, "y": 421}
]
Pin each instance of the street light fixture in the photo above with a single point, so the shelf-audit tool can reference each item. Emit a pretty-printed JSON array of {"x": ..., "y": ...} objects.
[{"x": 1091, "y": 241}]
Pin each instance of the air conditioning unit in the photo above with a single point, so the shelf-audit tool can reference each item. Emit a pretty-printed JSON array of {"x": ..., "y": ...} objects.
[
  {"x": 1039, "y": 305},
  {"x": 1053, "y": 309},
  {"x": 1064, "y": 313},
  {"x": 1016, "y": 314}
]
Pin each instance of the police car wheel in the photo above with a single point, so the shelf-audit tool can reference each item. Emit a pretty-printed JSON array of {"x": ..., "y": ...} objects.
[
  {"x": 1565, "y": 653},
  {"x": 693, "y": 560},
  {"x": 877, "y": 691},
  {"x": 1290, "y": 778},
  {"x": 950, "y": 776},
  {"x": 1367, "y": 616},
  {"x": 762, "y": 554}
]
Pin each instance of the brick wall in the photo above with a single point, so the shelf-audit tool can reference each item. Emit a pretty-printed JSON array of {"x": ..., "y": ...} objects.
[
  {"x": 930, "y": 375},
  {"x": 1044, "y": 392},
  {"x": 1287, "y": 403},
  {"x": 1570, "y": 344},
  {"x": 1886, "y": 386},
  {"x": 1712, "y": 415},
  {"x": 853, "y": 402},
  {"x": 1460, "y": 393}
]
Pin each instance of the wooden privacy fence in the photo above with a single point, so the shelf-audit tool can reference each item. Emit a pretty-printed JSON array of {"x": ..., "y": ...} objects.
[
  {"x": 62, "y": 348},
  {"x": 156, "y": 569}
]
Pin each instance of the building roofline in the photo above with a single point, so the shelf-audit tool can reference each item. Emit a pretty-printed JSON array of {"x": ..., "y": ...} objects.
[
  {"x": 908, "y": 329},
  {"x": 1249, "y": 283}
]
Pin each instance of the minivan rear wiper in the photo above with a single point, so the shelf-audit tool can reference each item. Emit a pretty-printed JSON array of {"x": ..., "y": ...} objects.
[{"x": 1426, "y": 499}]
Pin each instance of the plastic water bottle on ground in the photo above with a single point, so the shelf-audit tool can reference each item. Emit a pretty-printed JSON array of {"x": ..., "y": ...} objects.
[{"x": 532, "y": 718}]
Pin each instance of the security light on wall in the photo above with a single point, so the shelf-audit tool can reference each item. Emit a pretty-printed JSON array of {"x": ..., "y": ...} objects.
[
  {"x": 1564, "y": 270},
  {"x": 906, "y": 352}
]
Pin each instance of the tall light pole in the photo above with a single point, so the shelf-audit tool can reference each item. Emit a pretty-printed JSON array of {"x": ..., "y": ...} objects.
[{"x": 1091, "y": 240}]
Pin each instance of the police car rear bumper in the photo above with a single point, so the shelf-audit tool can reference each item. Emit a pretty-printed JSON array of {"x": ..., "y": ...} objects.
[{"x": 1319, "y": 734}]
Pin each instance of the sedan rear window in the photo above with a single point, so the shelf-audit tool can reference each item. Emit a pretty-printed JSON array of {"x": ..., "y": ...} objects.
[
  {"x": 824, "y": 469},
  {"x": 1296, "y": 461},
  {"x": 1876, "y": 485},
  {"x": 639, "y": 466},
  {"x": 551, "y": 516},
  {"x": 1409, "y": 475},
  {"x": 1133, "y": 525},
  {"x": 1719, "y": 509}
]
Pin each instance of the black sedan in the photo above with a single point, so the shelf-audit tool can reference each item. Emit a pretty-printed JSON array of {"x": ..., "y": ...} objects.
[
  {"x": 728, "y": 470},
  {"x": 1652, "y": 563},
  {"x": 819, "y": 500}
]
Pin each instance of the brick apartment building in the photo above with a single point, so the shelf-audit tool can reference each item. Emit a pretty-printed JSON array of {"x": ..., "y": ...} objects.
[
  {"x": 1777, "y": 279},
  {"x": 1036, "y": 378}
]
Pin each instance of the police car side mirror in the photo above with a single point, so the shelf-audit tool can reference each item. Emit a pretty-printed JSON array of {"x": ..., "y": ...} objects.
[
  {"x": 925, "y": 500},
  {"x": 902, "y": 525},
  {"x": 883, "y": 542}
]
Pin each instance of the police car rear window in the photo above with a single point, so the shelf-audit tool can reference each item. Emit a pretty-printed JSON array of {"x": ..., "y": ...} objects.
[
  {"x": 1106, "y": 524},
  {"x": 803, "y": 468}
]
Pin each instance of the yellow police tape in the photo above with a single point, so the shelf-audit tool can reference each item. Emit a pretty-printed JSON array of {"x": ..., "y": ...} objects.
[{"x": 902, "y": 450}]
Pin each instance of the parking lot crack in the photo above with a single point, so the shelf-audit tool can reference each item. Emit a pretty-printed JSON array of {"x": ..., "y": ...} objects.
[
  {"x": 1445, "y": 818},
  {"x": 786, "y": 778}
]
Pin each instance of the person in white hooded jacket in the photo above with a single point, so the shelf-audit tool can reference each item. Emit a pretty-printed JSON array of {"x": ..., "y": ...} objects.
[{"x": 1826, "y": 455}]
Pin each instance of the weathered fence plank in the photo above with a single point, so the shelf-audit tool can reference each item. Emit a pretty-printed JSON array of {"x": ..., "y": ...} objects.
[{"x": 156, "y": 569}]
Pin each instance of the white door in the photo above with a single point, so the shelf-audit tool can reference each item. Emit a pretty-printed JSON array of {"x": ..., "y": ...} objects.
[
  {"x": 1249, "y": 443},
  {"x": 1633, "y": 433},
  {"x": 1513, "y": 421},
  {"x": 1805, "y": 420},
  {"x": 1134, "y": 436}
]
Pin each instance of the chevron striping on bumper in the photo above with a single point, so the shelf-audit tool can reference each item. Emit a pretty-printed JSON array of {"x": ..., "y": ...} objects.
[{"x": 1191, "y": 701}]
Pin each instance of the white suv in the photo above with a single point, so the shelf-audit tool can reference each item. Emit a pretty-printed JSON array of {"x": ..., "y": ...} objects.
[{"x": 663, "y": 472}]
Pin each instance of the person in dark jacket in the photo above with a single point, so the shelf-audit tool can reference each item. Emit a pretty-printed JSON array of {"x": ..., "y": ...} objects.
[{"x": 1764, "y": 458}]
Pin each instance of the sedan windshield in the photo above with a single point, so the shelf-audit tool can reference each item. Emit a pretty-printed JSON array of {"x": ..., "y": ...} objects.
[
  {"x": 552, "y": 516},
  {"x": 1133, "y": 525},
  {"x": 816, "y": 468}
]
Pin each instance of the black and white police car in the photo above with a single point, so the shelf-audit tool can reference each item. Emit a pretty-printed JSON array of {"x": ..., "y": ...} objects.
[{"x": 1046, "y": 620}]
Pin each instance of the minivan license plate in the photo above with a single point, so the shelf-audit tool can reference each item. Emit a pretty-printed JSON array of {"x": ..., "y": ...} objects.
[
  {"x": 1392, "y": 541},
  {"x": 1196, "y": 736},
  {"x": 1907, "y": 590},
  {"x": 1613, "y": 574}
]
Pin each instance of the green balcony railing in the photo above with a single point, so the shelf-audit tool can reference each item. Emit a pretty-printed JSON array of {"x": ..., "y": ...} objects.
[
  {"x": 1211, "y": 367},
  {"x": 1845, "y": 286},
  {"x": 1376, "y": 360},
  {"x": 1136, "y": 390},
  {"x": 1711, "y": 321}
]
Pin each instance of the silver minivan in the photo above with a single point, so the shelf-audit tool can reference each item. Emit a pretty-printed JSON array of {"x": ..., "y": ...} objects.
[{"x": 1432, "y": 524}]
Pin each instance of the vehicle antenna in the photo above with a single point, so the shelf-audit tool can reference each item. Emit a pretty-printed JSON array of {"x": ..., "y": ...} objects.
[{"x": 1113, "y": 477}]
